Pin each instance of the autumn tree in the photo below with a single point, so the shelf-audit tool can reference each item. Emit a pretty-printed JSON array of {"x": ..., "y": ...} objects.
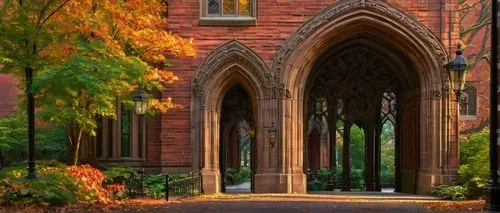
[
  {"x": 100, "y": 52},
  {"x": 475, "y": 32},
  {"x": 475, "y": 29}
]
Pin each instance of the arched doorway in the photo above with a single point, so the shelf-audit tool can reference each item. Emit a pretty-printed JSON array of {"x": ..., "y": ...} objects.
[
  {"x": 413, "y": 56},
  {"x": 236, "y": 142},
  {"x": 229, "y": 90},
  {"x": 361, "y": 74}
]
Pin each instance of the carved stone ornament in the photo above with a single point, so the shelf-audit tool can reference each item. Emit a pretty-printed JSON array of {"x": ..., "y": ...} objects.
[
  {"x": 342, "y": 7},
  {"x": 232, "y": 52}
]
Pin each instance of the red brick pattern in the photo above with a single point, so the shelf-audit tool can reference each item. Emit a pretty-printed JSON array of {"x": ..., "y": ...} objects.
[
  {"x": 8, "y": 94},
  {"x": 276, "y": 21}
]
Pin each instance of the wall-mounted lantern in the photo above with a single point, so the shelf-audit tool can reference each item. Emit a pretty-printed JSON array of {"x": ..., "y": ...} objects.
[{"x": 273, "y": 135}]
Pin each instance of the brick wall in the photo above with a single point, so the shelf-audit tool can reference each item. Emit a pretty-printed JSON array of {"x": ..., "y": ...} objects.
[
  {"x": 478, "y": 77},
  {"x": 8, "y": 94},
  {"x": 276, "y": 21}
]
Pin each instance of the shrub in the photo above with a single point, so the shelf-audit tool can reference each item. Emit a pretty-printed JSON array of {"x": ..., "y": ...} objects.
[
  {"x": 117, "y": 174},
  {"x": 235, "y": 176},
  {"x": 474, "y": 157},
  {"x": 56, "y": 184},
  {"x": 154, "y": 185},
  {"x": 450, "y": 192},
  {"x": 52, "y": 186},
  {"x": 92, "y": 179},
  {"x": 50, "y": 141},
  {"x": 116, "y": 191},
  {"x": 473, "y": 171},
  {"x": 323, "y": 178}
]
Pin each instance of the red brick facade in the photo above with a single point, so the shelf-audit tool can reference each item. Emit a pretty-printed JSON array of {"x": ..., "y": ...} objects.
[
  {"x": 171, "y": 136},
  {"x": 276, "y": 20},
  {"x": 8, "y": 92}
]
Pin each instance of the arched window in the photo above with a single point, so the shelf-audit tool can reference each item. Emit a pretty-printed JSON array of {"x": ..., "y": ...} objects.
[{"x": 468, "y": 102}]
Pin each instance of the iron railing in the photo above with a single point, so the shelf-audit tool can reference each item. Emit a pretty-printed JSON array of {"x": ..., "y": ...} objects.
[
  {"x": 135, "y": 185},
  {"x": 186, "y": 187}
]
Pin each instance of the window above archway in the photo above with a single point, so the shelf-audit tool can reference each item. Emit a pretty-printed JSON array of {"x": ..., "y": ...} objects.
[
  {"x": 468, "y": 102},
  {"x": 228, "y": 12}
]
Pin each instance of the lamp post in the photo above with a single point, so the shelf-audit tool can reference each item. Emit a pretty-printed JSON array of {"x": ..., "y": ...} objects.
[
  {"x": 141, "y": 104},
  {"x": 492, "y": 192},
  {"x": 457, "y": 70}
]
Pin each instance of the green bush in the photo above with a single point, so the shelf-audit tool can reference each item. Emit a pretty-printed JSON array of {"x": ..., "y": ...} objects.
[
  {"x": 119, "y": 173},
  {"x": 235, "y": 176},
  {"x": 473, "y": 171},
  {"x": 50, "y": 141},
  {"x": 52, "y": 186},
  {"x": 450, "y": 192},
  {"x": 323, "y": 177},
  {"x": 474, "y": 157},
  {"x": 154, "y": 185}
]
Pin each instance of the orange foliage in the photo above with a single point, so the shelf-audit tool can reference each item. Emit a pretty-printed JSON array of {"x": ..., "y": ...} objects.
[
  {"x": 164, "y": 106},
  {"x": 92, "y": 180},
  {"x": 139, "y": 24}
]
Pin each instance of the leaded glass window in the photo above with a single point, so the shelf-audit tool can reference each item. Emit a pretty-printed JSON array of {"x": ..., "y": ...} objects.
[
  {"x": 468, "y": 102},
  {"x": 125, "y": 131},
  {"x": 389, "y": 108},
  {"x": 213, "y": 7},
  {"x": 228, "y": 7}
]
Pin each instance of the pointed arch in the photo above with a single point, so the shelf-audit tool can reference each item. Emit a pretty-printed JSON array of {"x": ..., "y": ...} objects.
[
  {"x": 228, "y": 65},
  {"x": 232, "y": 53}
]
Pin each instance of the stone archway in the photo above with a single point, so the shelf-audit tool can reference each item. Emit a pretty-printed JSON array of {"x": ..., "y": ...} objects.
[
  {"x": 230, "y": 64},
  {"x": 391, "y": 27}
]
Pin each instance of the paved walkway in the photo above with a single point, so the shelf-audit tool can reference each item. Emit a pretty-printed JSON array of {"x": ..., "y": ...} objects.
[{"x": 371, "y": 202}]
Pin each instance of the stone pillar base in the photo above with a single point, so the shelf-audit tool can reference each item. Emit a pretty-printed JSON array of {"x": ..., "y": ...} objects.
[
  {"x": 280, "y": 183},
  {"x": 492, "y": 197},
  {"x": 210, "y": 182},
  {"x": 427, "y": 181}
]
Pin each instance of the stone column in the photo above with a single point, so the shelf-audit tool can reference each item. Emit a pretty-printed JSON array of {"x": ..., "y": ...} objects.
[
  {"x": 370, "y": 158},
  {"x": 332, "y": 129},
  {"x": 346, "y": 157}
]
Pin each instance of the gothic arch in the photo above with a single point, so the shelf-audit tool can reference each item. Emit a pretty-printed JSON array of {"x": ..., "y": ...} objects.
[
  {"x": 390, "y": 27},
  {"x": 228, "y": 65},
  {"x": 322, "y": 31},
  {"x": 227, "y": 55}
]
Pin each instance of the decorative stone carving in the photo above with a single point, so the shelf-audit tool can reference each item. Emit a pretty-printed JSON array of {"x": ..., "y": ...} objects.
[
  {"x": 342, "y": 7},
  {"x": 224, "y": 56},
  {"x": 436, "y": 94}
]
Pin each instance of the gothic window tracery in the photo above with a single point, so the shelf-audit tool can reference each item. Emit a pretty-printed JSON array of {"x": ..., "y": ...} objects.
[
  {"x": 388, "y": 108},
  {"x": 468, "y": 102}
]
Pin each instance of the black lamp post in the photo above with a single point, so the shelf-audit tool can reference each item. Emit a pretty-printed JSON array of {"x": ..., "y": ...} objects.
[
  {"x": 492, "y": 192},
  {"x": 141, "y": 105},
  {"x": 457, "y": 69}
]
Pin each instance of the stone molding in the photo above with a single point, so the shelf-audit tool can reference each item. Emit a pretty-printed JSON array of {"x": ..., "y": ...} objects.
[
  {"x": 342, "y": 7},
  {"x": 230, "y": 53}
]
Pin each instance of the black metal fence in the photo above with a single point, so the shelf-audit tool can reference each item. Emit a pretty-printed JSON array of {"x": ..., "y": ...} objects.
[
  {"x": 186, "y": 187},
  {"x": 135, "y": 185}
]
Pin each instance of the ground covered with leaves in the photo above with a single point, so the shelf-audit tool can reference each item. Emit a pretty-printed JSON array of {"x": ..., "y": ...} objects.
[{"x": 241, "y": 203}]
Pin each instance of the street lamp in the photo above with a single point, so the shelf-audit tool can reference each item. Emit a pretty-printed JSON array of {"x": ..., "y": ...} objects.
[
  {"x": 457, "y": 69},
  {"x": 141, "y": 104}
]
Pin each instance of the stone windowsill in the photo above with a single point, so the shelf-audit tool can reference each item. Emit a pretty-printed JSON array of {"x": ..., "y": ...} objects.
[
  {"x": 467, "y": 117},
  {"x": 227, "y": 21}
]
